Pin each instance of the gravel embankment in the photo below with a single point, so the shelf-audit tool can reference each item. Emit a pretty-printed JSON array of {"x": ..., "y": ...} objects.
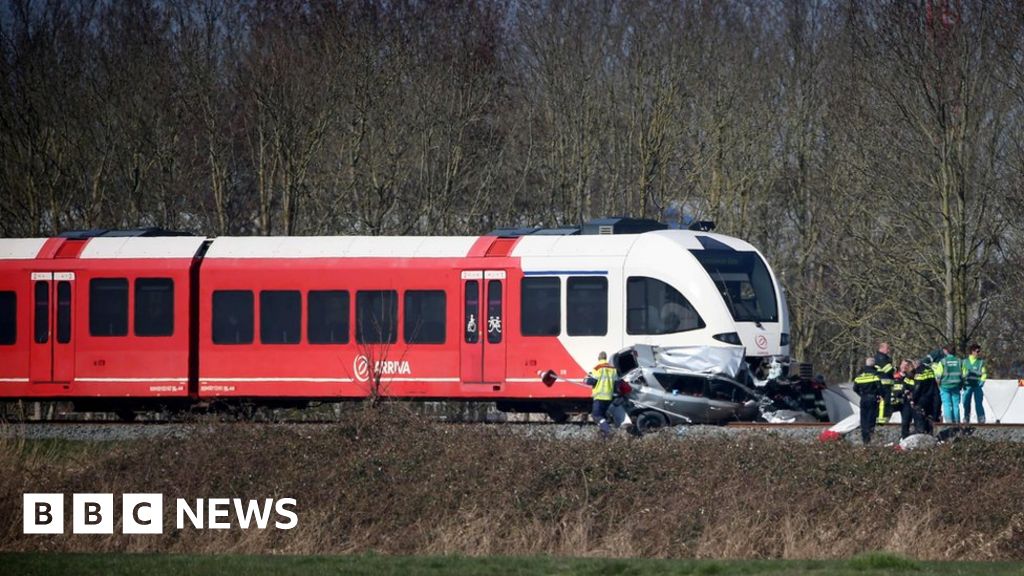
[{"x": 116, "y": 432}]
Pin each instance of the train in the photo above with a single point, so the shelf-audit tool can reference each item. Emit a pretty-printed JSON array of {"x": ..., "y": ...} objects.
[{"x": 125, "y": 321}]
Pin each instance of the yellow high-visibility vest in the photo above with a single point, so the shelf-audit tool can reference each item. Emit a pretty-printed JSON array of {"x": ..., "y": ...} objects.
[{"x": 605, "y": 375}]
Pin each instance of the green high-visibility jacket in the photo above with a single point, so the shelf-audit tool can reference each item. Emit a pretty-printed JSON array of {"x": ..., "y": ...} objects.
[
  {"x": 975, "y": 372},
  {"x": 950, "y": 372}
]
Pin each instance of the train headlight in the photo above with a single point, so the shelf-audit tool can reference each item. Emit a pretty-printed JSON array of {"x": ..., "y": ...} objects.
[
  {"x": 728, "y": 338},
  {"x": 784, "y": 340}
]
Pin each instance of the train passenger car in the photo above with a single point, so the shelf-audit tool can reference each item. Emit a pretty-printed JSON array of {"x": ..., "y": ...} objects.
[
  {"x": 292, "y": 319},
  {"x": 104, "y": 321}
]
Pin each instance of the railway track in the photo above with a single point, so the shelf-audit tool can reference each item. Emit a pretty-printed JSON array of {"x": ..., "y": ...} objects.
[{"x": 114, "y": 431}]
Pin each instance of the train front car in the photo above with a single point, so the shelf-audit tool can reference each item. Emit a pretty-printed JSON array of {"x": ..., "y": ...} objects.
[
  {"x": 725, "y": 293},
  {"x": 581, "y": 294}
]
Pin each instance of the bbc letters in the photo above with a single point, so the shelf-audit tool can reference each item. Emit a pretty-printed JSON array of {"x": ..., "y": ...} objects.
[{"x": 144, "y": 514}]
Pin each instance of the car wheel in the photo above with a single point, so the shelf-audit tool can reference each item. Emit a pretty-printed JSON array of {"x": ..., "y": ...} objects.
[{"x": 650, "y": 421}]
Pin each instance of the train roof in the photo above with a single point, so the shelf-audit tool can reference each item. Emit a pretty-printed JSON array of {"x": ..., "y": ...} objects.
[
  {"x": 141, "y": 248},
  {"x": 20, "y": 248},
  {"x": 341, "y": 247},
  {"x": 295, "y": 247},
  {"x": 98, "y": 248}
]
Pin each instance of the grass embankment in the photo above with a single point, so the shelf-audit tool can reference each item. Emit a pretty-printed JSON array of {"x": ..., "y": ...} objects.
[
  {"x": 372, "y": 565},
  {"x": 387, "y": 482}
]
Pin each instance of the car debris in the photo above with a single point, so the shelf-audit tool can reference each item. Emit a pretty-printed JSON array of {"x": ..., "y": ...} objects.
[
  {"x": 918, "y": 442},
  {"x": 693, "y": 385}
]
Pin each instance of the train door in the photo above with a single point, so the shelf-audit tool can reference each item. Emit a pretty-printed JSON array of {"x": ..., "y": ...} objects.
[
  {"x": 483, "y": 320},
  {"x": 52, "y": 351}
]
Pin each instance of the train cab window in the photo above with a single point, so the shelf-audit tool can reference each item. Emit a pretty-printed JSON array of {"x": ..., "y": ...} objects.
[
  {"x": 63, "y": 312},
  {"x": 41, "y": 329},
  {"x": 681, "y": 384},
  {"x": 327, "y": 319},
  {"x": 154, "y": 307},
  {"x": 425, "y": 312},
  {"x": 744, "y": 283},
  {"x": 376, "y": 317},
  {"x": 587, "y": 306},
  {"x": 654, "y": 307},
  {"x": 108, "y": 307},
  {"x": 541, "y": 313},
  {"x": 8, "y": 318},
  {"x": 280, "y": 316},
  {"x": 232, "y": 317}
]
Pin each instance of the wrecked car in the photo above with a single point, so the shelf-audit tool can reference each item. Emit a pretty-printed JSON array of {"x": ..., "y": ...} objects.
[{"x": 685, "y": 385}]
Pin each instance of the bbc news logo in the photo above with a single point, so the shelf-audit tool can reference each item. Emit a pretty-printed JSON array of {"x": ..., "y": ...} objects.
[{"x": 143, "y": 513}]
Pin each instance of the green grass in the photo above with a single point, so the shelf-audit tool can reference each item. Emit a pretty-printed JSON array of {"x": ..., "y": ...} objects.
[{"x": 47, "y": 564}]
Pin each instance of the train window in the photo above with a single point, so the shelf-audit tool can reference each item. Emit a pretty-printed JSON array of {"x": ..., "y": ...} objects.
[
  {"x": 280, "y": 316},
  {"x": 654, "y": 307},
  {"x": 108, "y": 307},
  {"x": 743, "y": 281},
  {"x": 154, "y": 307},
  {"x": 376, "y": 316},
  {"x": 42, "y": 325},
  {"x": 425, "y": 313},
  {"x": 63, "y": 312},
  {"x": 681, "y": 384},
  {"x": 541, "y": 313},
  {"x": 8, "y": 318},
  {"x": 494, "y": 315},
  {"x": 587, "y": 306},
  {"x": 327, "y": 320},
  {"x": 232, "y": 317},
  {"x": 472, "y": 323}
]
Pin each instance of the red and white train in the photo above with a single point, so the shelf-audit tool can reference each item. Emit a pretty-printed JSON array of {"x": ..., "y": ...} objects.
[{"x": 123, "y": 322}]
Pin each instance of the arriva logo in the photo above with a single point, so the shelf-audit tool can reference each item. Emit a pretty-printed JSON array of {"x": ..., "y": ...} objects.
[{"x": 361, "y": 368}]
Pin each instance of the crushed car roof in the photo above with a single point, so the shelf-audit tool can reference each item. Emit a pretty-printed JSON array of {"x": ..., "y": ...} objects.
[{"x": 723, "y": 360}]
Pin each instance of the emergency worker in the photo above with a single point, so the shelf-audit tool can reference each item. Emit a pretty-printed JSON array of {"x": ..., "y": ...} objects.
[
  {"x": 868, "y": 385},
  {"x": 602, "y": 378},
  {"x": 884, "y": 368},
  {"x": 950, "y": 373},
  {"x": 923, "y": 397},
  {"x": 975, "y": 374},
  {"x": 902, "y": 395}
]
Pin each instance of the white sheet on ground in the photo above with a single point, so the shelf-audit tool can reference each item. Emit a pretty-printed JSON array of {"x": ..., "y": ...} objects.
[
  {"x": 916, "y": 441},
  {"x": 840, "y": 401},
  {"x": 848, "y": 424},
  {"x": 788, "y": 417}
]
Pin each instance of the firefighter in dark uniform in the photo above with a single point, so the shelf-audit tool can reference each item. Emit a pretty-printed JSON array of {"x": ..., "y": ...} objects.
[
  {"x": 902, "y": 396},
  {"x": 884, "y": 368},
  {"x": 868, "y": 385},
  {"x": 923, "y": 397}
]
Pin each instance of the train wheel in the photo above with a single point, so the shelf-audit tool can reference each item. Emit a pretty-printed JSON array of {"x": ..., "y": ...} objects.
[
  {"x": 126, "y": 415},
  {"x": 650, "y": 421},
  {"x": 558, "y": 416}
]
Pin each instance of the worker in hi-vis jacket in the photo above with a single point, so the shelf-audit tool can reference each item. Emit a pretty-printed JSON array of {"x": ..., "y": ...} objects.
[
  {"x": 975, "y": 374},
  {"x": 602, "y": 379}
]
